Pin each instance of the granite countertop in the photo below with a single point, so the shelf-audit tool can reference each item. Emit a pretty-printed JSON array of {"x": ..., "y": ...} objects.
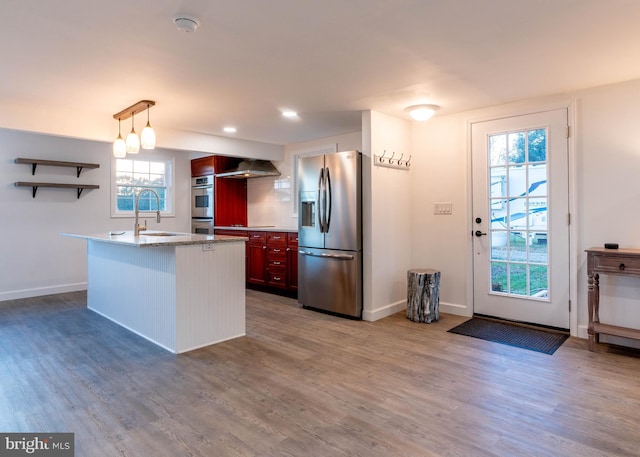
[
  {"x": 257, "y": 228},
  {"x": 155, "y": 238}
]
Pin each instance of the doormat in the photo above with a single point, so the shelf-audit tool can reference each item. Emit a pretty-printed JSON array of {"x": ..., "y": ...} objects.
[{"x": 512, "y": 335}]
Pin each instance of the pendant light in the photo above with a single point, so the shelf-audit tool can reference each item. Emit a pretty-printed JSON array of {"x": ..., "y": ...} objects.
[
  {"x": 148, "y": 136},
  {"x": 133, "y": 142},
  {"x": 119, "y": 146}
]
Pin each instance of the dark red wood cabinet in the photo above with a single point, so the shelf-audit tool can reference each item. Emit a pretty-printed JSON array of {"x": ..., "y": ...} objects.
[
  {"x": 229, "y": 195},
  {"x": 292, "y": 261},
  {"x": 257, "y": 258}
]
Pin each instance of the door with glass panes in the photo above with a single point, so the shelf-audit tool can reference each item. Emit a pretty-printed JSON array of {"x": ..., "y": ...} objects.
[{"x": 521, "y": 218}]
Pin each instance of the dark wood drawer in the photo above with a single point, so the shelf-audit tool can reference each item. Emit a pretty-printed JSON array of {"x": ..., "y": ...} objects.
[
  {"x": 275, "y": 264},
  {"x": 617, "y": 264},
  {"x": 230, "y": 232},
  {"x": 277, "y": 279},
  {"x": 276, "y": 239},
  {"x": 292, "y": 239},
  {"x": 276, "y": 252},
  {"x": 257, "y": 238}
]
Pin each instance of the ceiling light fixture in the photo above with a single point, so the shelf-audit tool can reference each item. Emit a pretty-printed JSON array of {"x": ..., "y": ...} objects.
[
  {"x": 119, "y": 146},
  {"x": 188, "y": 24},
  {"x": 148, "y": 136},
  {"x": 289, "y": 114},
  {"x": 422, "y": 112},
  {"x": 132, "y": 144},
  {"x": 230, "y": 129}
]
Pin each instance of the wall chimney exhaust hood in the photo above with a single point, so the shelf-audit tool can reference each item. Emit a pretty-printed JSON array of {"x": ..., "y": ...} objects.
[{"x": 251, "y": 168}]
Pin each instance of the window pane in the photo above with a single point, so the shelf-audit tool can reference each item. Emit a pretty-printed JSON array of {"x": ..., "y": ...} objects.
[
  {"x": 498, "y": 185},
  {"x": 140, "y": 166},
  {"x": 517, "y": 181},
  {"x": 498, "y": 149},
  {"x": 538, "y": 179},
  {"x": 124, "y": 165},
  {"x": 157, "y": 168},
  {"x": 516, "y": 147},
  {"x": 518, "y": 246},
  {"x": 499, "y": 277},
  {"x": 537, "y": 145},
  {"x": 539, "y": 281},
  {"x": 518, "y": 279}
]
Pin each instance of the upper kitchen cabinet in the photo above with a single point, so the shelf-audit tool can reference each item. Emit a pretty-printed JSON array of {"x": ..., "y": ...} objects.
[
  {"x": 202, "y": 166},
  {"x": 229, "y": 195}
]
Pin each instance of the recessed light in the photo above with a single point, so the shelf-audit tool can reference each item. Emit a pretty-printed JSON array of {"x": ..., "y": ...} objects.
[
  {"x": 289, "y": 114},
  {"x": 230, "y": 129}
]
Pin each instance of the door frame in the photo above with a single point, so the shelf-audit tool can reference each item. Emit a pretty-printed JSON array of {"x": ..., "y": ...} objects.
[{"x": 520, "y": 110}]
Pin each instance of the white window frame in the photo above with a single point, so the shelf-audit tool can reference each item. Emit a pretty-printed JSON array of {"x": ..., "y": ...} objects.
[{"x": 170, "y": 166}]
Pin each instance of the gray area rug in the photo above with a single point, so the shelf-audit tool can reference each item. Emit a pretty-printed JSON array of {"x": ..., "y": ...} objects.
[{"x": 511, "y": 334}]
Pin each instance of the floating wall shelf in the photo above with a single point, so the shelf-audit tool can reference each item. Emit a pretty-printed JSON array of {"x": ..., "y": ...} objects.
[
  {"x": 35, "y": 185},
  {"x": 56, "y": 163}
]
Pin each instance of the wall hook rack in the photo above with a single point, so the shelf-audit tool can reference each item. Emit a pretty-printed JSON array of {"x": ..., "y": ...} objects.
[{"x": 391, "y": 162}]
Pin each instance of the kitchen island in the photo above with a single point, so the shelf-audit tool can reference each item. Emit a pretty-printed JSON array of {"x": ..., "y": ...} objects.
[{"x": 181, "y": 291}]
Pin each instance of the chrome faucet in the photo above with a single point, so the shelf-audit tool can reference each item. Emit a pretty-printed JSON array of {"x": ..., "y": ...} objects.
[{"x": 137, "y": 228}]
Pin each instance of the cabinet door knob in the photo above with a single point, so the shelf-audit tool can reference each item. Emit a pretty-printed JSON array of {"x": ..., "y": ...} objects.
[{"x": 621, "y": 266}]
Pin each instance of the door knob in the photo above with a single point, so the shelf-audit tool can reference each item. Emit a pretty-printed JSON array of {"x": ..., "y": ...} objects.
[{"x": 479, "y": 233}]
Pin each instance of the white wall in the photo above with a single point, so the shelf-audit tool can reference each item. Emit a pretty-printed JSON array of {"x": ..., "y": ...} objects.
[
  {"x": 606, "y": 163},
  {"x": 35, "y": 259},
  {"x": 439, "y": 174},
  {"x": 387, "y": 216},
  {"x": 270, "y": 199}
]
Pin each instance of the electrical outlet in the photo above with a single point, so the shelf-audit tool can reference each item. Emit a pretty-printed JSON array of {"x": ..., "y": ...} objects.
[
  {"x": 208, "y": 247},
  {"x": 440, "y": 208}
]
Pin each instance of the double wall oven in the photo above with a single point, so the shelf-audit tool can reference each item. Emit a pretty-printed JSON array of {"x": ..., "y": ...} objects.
[{"x": 202, "y": 204}]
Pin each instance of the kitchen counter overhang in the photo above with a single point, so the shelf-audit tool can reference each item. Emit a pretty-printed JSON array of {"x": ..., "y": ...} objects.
[
  {"x": 180, "y": 291},
  {"x": 154, "y": 238}
]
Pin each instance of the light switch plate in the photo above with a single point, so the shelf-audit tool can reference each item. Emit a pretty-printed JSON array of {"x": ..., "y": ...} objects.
[{"x": 440, "y": 208}]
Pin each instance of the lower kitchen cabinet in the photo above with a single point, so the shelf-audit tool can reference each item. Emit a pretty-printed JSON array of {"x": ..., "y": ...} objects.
[
  {"x": 257, "y": 258},
  {"x": 277, "y": 259},
  {"x": 292, "y": 261},
  {"x": 271, "y": 259}
]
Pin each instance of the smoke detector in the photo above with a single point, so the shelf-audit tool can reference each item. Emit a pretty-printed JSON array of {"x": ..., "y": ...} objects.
[{"x": 186, "y": 23}]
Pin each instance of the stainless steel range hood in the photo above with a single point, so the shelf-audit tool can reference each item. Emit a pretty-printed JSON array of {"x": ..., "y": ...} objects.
[{"x": 251, "y": 168}]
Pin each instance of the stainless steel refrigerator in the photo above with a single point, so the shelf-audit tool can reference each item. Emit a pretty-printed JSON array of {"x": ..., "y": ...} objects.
[{"x": 330, "y": 233}]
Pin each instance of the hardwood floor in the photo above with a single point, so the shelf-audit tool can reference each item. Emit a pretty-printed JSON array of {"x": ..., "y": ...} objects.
[{"x": 303, "y": 383}]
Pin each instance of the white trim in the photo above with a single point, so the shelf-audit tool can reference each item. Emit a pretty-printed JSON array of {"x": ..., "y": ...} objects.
[
  {"x": 528, "y": 107},
  {"x": 384, "y": 311},
  {"x": 171, "y": 187},
  {"x": 40, "y": 291}
]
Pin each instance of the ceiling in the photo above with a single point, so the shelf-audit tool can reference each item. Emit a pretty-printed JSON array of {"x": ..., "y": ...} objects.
[{"x": 69, "y": 65}]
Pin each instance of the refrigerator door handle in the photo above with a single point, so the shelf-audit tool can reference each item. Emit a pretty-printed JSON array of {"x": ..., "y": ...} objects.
[
  {"x": 331, "y": 256},
  {"x": 320, "y": 200},
  {"x": 327, "y": 193}
]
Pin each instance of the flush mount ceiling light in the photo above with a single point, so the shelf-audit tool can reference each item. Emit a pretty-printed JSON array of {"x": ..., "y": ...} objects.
[
  {"x": 230, "y": 129},
  {"x": 422, "y": 112},
  {"x": 132, "y": 144},
  {"x": 188, "y": 24},
  {"x": 289, "y": 114}
]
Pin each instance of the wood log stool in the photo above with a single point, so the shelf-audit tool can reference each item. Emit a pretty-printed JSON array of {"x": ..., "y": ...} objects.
[{"x": 423, "y": 295}]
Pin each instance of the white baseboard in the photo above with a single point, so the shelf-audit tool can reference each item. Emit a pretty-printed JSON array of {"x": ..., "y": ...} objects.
[
  {"x": 392, "y": 308},
  {"x": 39, "y": 291},
  {"x": 384, "y": 311}
]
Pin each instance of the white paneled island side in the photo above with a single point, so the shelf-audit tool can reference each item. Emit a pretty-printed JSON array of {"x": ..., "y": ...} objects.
[{"x": 181, "y": 291}]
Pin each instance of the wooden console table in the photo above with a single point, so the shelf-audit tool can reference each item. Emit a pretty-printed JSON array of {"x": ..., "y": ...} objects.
[{"x": 625, "y": 262}]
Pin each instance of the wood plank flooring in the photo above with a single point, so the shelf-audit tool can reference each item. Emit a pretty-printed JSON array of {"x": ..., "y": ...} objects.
[{"x": 303, "y": 383}]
